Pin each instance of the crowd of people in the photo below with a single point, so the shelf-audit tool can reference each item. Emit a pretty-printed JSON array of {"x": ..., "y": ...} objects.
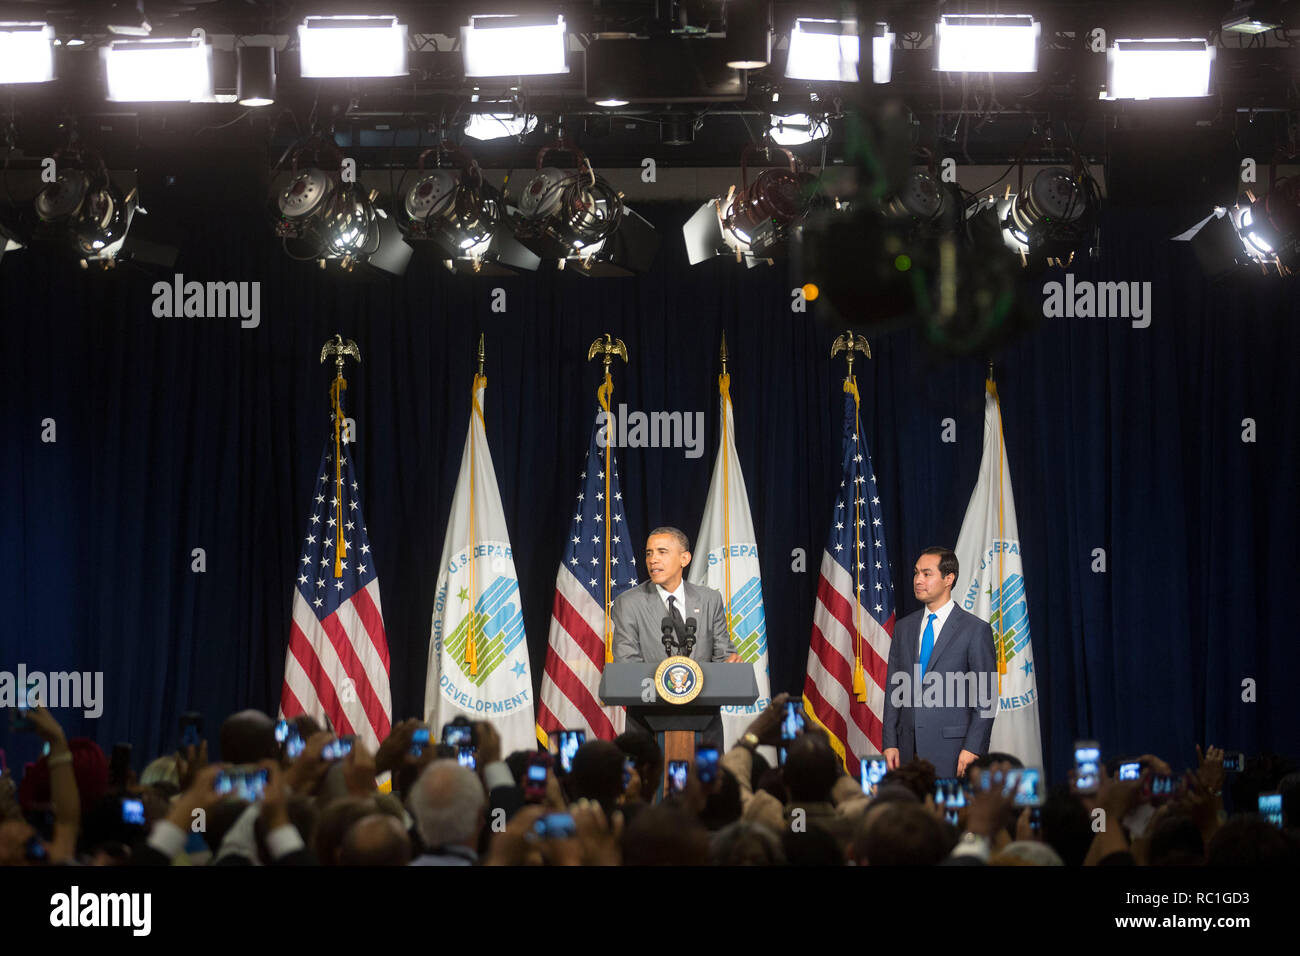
[{"x": 422, "y": 806}]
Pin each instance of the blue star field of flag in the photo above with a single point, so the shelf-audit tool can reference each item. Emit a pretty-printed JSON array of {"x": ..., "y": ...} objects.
[
  {"x": 584, "y": 553},
  {"x": 316, "y": 582}
]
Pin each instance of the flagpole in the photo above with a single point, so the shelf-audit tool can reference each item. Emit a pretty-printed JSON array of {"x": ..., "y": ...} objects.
[
  {"x": 340, "y": 350},
  {"x": 849, "y": 343},
  {"x": 992, "y": 388},
  {"x": 724, "y": 393},
  {"x": 607, "y": 348},
  {"x": 480, "y": 380}
]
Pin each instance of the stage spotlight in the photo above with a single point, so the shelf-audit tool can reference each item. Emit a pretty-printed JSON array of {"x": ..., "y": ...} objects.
[
  {"x": 577, "y": 216},
  {"x": 748, "y": 26},
  {"x": 514, "y": 45},
  {"x": 321, "y": 218},
  {"x": 26, "y": 52},
  {"x": 1266, "y": 232},
  {"x": 156, "y": 71},
  {"x": 461, "y": 216},
  {"x": 1253, "y": 16},
  {"x": 1000, "y": 43},
  {"x": 83, "y": 213},
  {"x": 352, "y": 46},
  {"x": 756, "y": 222},
  {"x": 1051, "y": 220},
  {"x": 1158, "y": 69},
  {"x": 256, "y": 83},
  {"x": 9, "y": 241},
  {"x": 924, "y": 200},
  {"x": 483, "y": 126},
  {"x": 825, "y": 50},
  {"x": 797, "y": 129}
]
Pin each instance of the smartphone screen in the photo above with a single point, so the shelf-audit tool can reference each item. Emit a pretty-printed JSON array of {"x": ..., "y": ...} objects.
[
  {"x": 1030, "y": 788},
  {"x": 336, "y": 749},
  {"x": 1130, "y": 770},
  {"x": 793, "y": 723},
  {"x": 570, "y": 741},
  {"x": 467, "y": 756},
  {"x": 1234, "y": 762},
  {"x": 677, "y": 770},
  {"x": 192, "y": 729},
  {"x": 1036, "y": 820},
  {"x": 458, "y": 735},
  {"x": 294, "y": 745},
  {"x": 706, "y": 764},
  {"x": 1087, "y": 766},
  {"x": 535, "y": 781},
  {"x": 629, "y": 765},
  {"x": 133, "y": 812},
  {"x": 242, "y": 783},
  {"x": 555, "y": 826},
  {"x": 949, "y": 793},
  {"x": 1270, "y": 808},
  {"x": 419, "y": 740},
  {"x": 1163, "y": 787},
  {"x": 281, "y": 731},
  {"x": 873, "y": 771}
]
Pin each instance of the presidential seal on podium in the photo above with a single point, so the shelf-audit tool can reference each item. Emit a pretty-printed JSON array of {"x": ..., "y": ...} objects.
[{"x": 678, "y": 680}]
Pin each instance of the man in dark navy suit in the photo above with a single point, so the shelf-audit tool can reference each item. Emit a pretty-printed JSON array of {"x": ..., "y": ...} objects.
[{"x": 948, "y": 719}]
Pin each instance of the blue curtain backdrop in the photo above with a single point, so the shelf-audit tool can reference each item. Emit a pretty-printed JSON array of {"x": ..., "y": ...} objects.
[{"x": 183, "y": 433}]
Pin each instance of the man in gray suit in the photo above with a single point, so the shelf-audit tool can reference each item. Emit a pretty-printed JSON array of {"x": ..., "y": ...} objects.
[
  {"x": 950, "y": 727},
  {"x": 639, "y": 612}
]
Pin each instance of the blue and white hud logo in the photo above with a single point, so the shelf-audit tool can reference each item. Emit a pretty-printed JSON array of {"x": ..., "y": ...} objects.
[{"x": 679, "y": 680}]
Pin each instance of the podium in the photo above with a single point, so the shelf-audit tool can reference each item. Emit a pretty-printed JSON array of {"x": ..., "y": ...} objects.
[{"x": 629, "y": 683}]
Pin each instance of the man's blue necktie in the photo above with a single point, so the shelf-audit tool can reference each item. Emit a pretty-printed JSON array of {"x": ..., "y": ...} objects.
[{"x": 927, "y": 643}]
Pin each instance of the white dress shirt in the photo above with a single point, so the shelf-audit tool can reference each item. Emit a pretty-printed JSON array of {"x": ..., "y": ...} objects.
[
  {"x": 943, "y": 613},
  {"x": 679, "y": 595}
]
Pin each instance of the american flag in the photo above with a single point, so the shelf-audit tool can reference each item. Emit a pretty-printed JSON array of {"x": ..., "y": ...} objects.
[
  {"x": 850, "y": 638},
  {"x": 337, "y": 665},
  {"x": 575, "y": 655}
]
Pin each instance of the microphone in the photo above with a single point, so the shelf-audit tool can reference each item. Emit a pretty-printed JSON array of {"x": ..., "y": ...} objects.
[
  {"x": 691, "y": 625},
  {"x": 666, "y": 626}
]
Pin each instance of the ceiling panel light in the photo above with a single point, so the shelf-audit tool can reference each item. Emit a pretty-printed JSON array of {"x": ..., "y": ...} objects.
[
  {"x": 26, "y": 53},
  {"x": 514, "y": 46},
  {"x": 1158, "y": 69},
  {"x": 145, "y": 71},
  {"x": 352, "y": 47},
  {"x": 825, "y": 50},
  {"x": 999, "y": 43}
]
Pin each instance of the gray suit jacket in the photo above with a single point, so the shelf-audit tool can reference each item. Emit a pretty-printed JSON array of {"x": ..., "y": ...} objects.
[
  {"x": 639, "y": 613},
  {"x": 939, "y": 733}
]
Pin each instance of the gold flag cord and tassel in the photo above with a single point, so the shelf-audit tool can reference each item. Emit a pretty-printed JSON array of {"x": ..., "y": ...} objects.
[
  {"x": 849, "y": 343},
  {"x": 341, "y": 350},
  {"x": 607, "y": 347}
]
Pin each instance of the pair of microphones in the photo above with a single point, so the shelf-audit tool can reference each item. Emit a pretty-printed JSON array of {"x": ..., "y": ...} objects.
[{"x": 670, "y": 636}]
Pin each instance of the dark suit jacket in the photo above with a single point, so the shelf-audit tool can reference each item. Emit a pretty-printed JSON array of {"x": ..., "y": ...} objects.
[{"x": 939, "y": 733}]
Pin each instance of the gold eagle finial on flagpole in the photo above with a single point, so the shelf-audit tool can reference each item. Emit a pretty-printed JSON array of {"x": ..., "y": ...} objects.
[
  {"x": 607, "y": 347},
  {"x": 850, "y": 343}
]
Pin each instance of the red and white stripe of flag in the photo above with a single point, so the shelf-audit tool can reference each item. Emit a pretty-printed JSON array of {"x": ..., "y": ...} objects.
[
  {"x": 828, "y": 688},
  {"x": 339, "y": 667},
  {"x": 575, "y": 658}
]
